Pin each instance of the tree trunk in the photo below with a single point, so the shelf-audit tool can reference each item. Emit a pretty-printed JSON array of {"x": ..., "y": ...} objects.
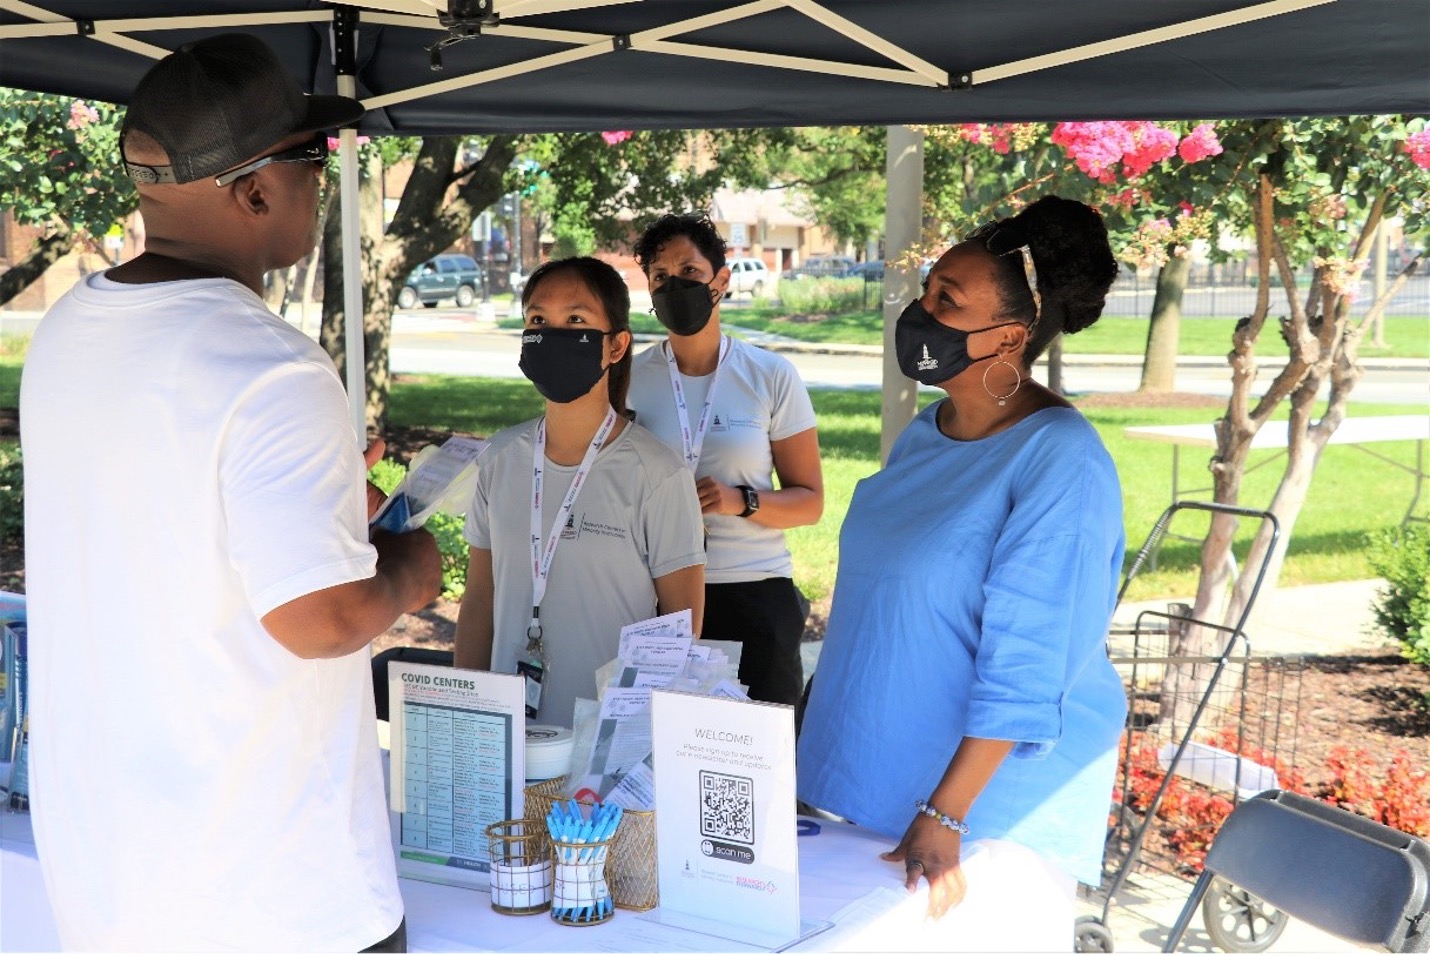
[
  {"x": 1159, "y": 367},
  {"x": 277, "y": 287},
  {"x": 437, "y": 207},
  {"x": 333, "y": 334},
  {"x": 49, "y": 250},
  {"x": 1055, "y": 365}
]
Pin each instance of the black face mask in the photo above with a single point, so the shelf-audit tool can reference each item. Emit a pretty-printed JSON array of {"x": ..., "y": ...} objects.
[
  {"x": 683, "y": 305},
  {"x": 563, "y": 363},
  {"x": 930, "y": 352}
]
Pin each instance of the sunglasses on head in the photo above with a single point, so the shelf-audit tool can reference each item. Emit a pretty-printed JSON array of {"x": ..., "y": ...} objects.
[
  {"x": 314, "y": 151},
  {"x": 1002, "y": 242}
]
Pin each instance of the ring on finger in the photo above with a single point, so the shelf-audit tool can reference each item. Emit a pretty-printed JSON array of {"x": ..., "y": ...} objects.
[{"x": 914, "y": 865}]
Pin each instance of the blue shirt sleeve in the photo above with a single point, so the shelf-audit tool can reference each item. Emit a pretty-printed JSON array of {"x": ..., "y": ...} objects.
[{"x": 1045, "y": 596}]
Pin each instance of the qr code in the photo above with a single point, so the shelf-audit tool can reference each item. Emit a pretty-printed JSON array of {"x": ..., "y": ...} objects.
[{"x": 727, "y": 807}]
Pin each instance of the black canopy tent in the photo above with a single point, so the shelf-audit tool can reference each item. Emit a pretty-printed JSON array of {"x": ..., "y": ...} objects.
[
  {"x": 549, "y": 65},
  {"x": 546, "y": 65}
]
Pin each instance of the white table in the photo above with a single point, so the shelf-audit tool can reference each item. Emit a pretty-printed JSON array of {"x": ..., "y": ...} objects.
[
  {"x": 838, "y": 867},
  {"x": 1356, "y": 432}
]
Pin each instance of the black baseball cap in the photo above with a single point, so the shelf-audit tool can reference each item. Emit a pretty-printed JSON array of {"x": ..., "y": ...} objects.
[{"x": 217, "y": 102}]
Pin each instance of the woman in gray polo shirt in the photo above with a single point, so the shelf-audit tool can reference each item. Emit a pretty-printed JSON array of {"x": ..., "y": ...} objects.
[
  {"x": 582, "y": 522},
  {"x": 741, "y": 417}
]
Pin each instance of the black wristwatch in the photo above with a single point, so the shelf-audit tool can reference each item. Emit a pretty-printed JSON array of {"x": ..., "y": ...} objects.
[{"x": 752, "y": 500}]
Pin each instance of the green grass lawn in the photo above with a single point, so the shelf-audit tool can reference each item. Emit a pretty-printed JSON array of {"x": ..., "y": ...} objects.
[
  {"x": 1351, "y": 494},
  {"x": 1406, "y": 336}
]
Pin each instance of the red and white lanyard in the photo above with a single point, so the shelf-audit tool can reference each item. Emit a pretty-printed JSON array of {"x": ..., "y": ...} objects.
[
  {"x": 692, "y": 443},
  {"x": 541, "y": 557}
]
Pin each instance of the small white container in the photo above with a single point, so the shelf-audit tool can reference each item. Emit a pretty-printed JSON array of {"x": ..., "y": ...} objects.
[
  {"x": 1220, "y": 769},
  {"x": 548, "y": 752}
]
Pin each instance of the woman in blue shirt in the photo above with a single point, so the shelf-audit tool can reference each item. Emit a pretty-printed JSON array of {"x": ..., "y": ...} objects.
[{"x": 964, "y": 692}]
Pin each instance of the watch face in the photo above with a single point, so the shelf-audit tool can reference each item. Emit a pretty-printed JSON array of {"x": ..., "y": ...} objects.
[{"x": 752, "y": 499}]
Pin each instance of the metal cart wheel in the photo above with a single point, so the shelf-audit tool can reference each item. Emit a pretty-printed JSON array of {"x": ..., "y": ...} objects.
[
  {"x": 1238, "y": 922},
  {"x": 1090, "y": 936}
]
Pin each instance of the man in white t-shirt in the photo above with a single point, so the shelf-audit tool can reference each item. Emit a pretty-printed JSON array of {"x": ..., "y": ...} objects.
[{"x": 201, "y": 584}]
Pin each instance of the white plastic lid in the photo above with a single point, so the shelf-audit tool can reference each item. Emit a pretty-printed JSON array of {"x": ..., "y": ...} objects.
[{"x": 548, "y": 751}]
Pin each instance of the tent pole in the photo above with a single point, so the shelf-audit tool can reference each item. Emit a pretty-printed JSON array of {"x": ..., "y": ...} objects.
[
  {"x": 354, "y": 346},
  {"x": 345, "y": 56},
  {"x": 903, "y": 224}
]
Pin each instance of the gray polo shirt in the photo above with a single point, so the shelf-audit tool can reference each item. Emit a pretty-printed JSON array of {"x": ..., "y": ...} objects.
[{"x": 637, "y": 518}]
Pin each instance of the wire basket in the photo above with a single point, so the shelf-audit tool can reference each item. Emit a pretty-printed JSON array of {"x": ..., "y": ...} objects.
[
  {"x": 1242, "y": 741},
  {"x": 581, "y": 895},
  {"x": 521, "y": 874},
  {"x": 632, "y": 864},
  {"x": 540, "y": 796}
]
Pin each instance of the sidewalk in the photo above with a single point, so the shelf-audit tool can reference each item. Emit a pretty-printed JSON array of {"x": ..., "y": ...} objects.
[{"x": 484, "y": 319}]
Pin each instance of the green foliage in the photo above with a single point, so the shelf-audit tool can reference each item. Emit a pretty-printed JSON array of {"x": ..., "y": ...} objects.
[
  {"x": 12, "y": 493},
  {"x": 836, "y": 177},
  {"x": 59, "y": 162},
  {"x": 14, "y": 346},
  {"x": 1402, "y": 609},
  {"x": 809, "y": 296},
  {"x": 589, "y": 185},
  {"x": 447, "y": 529}
]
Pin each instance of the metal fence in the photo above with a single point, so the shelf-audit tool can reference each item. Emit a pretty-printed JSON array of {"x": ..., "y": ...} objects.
[
  {"x": 1223, "y": 291},
  {"x": 1226, "y": 292}
]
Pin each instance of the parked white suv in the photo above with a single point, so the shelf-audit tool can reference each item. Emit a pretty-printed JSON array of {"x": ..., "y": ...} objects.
[{"x": 749, "y": 275}]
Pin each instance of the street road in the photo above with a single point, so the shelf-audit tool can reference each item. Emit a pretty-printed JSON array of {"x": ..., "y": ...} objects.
[{"x": 453, "y": 342}]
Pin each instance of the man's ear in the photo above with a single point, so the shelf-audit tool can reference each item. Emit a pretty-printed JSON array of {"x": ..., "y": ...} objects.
[{"x": 250, "y": 195}]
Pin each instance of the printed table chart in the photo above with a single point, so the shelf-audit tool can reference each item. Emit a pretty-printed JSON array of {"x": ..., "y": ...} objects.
[{"x": 449, "y": 808}]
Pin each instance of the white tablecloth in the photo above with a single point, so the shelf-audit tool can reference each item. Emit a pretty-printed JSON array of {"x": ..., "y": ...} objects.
[{"x": 838, "y": 866}]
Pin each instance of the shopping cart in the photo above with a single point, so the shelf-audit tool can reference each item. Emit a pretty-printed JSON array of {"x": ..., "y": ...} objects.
[{"x": 1208, "y": 726}]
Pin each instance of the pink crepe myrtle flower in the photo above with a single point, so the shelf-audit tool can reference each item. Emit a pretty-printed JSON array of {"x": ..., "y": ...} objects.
[
  {"x": 1123, "y": 200},
  {"x": 333, "y": 142},
  {"x": 1418, "y": 146},
  {"x": 1096, "y": 148},
  {"x": 1150, "y": 145},
  {"x": 1200, "y": 143},
  {"x": 616, "y": 136},
  {"x": 1128, "y": 148},
  {"x": 81, "y": 115}
]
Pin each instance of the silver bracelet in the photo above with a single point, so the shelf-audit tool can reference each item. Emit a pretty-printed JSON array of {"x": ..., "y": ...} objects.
[{"x": 953, "y": 823}]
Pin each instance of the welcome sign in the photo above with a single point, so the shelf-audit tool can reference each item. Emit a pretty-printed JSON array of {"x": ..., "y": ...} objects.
[{"x": 725, "y": 818}]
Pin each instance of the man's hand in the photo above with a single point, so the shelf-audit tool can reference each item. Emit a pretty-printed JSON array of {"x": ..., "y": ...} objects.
[
  {"x": 412, "y": 558},
  {"x": 375, "y": 497}
]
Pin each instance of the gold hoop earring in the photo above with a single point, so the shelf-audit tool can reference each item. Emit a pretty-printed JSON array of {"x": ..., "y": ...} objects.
[{"x": 1002, "y": 400}]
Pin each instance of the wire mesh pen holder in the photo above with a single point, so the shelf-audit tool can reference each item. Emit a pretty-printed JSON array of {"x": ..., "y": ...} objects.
[
  {"x": 581, "y": 896},
  {"x": 521, "y": 876},
  {"x": 631, "y": 866}
]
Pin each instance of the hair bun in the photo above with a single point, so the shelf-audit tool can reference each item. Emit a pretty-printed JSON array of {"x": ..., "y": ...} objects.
[{"x": 1076, "y": 268}]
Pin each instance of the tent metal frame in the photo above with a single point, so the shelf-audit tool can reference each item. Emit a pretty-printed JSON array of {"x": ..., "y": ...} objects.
[{"x": 908, "y": 69}]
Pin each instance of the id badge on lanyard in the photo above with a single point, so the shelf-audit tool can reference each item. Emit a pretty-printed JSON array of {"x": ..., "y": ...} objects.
[{"x": 532, "y": 665}]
